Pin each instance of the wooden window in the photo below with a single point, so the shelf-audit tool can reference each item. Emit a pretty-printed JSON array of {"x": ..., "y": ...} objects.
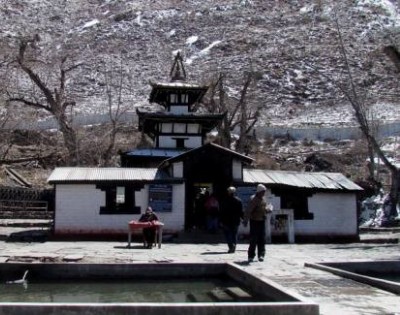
[
  {"x": 179, "y": 128},
  {"x": 296, "y": 200},
  {"x": 166, "y": 128},
  {"x": 120, "y": 195},
  {"x": 193, "y": 128},
  {"x": 120, "y": 199},
  {"x": 173, "y": 98},
  {"x": 184, "y": 98}
]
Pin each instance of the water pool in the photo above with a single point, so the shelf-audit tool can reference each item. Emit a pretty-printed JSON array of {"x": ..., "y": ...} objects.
[
  {"x": 130, "y": 290},
  {"x": 384, "y": 274},
  {"x": 175, "y": 288}
]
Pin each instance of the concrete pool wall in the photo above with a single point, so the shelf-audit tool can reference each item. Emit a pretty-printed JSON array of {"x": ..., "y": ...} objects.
[
  {"x": 360, "y": 271},
  {"x": 287, "y": 303}
]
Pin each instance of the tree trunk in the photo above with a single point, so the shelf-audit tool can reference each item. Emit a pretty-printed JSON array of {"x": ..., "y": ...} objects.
[
  {"x": 371, "y": 165},
  {"x": 394, "y": 191},
  {"x": 56, "y": 102},
  {"x": 70, "y": 139},
  {"x": 365, "y": 126},
  {"x": 225, "y": 132},
  {"x": 241, "y": 144}
]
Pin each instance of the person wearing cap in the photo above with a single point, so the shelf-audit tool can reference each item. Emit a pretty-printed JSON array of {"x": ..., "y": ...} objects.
[
  {"x": 231, "y": 213},
  {"x": 256, "y": 213}
]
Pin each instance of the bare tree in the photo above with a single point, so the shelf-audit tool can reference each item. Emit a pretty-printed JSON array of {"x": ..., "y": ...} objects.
[
  {"x": 117, "y": 85},
  {"x": 238, "y": 112},
  {"x": 366, "y": 125},
  {"x": 6, "y": 143},
  {"x": 47, "y": 95}
]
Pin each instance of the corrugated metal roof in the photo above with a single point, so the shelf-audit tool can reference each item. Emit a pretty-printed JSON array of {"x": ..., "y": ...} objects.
[
  {"x": 95, "y": 174},
  {"x": 299, "y": 179},
  {"x": 156, "y": 152}
]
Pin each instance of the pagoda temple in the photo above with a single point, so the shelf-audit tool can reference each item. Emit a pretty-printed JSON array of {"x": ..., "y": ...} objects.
[
  {"x": 176, "y": 129},
  {"x": 174, "y": 172}
]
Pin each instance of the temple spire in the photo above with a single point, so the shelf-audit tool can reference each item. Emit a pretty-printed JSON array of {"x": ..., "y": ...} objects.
[{"x": 178, "y": 72}]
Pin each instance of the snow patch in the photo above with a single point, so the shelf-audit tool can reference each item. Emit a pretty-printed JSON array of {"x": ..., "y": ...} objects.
[
  {"x": 203, "y": 52},
  {"x": 138, "y": 19},
  {"x": 191, "y": 40},
  {"x": 307, "y": 9},
  {"x": 167, "y": 14},
  {"x": 386, "y": 5},
  {"x": 246, "y": 3},
  {"x": 175, "y": 52},
  {"x": 376, "y": 212},
  {"x": 299, "y": 73},
  {"x": 91, "y": 23},
  {"x": 171, "y": 33}
]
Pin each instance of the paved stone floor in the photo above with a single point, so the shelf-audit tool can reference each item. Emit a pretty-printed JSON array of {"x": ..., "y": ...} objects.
[{"x": 284, "y": 264}]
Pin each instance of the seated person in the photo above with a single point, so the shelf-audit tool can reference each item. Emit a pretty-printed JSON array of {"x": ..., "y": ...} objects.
[{"x": 149, "y": 233}]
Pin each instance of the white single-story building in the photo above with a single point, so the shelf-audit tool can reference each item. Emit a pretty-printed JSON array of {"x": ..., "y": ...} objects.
[{"x": 101, "y": 201}]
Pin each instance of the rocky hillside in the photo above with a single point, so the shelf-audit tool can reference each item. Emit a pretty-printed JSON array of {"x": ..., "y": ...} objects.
[{"x": 292, "y": 46}]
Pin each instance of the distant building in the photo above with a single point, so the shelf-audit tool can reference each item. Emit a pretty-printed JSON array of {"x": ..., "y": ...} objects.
[{"x": 172, "y": 176}]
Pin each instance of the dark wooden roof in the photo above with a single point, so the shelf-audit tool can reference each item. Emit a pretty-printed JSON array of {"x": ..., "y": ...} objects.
[
  {"x": 207, "y": 147},
  {"x": 148, "y": 121},
  {"x": 161, "y": 90},
  {"x": 178, "y": 85}
]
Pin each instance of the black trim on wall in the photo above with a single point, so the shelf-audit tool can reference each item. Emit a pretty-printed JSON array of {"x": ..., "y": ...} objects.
[
  {"x": 111, "y": 207},
  {"x": 296, "y": 199}
]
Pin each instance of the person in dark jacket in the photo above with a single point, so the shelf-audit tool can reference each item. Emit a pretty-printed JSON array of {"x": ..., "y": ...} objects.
[
  {"x": 231, "y": 213},
  {"x": 211, "y": 206},
  {"x": 149, "y": 233}
]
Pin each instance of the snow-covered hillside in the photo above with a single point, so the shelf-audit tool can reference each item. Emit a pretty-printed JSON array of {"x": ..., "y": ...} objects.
[{"x": 292, "y": 46}]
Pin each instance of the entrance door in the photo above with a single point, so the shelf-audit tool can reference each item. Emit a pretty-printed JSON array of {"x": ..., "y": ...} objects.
[
  {"x": 195, "y": 214},
  {"x": 206, "y": 170},
  {"x": 196, "y": 195}
]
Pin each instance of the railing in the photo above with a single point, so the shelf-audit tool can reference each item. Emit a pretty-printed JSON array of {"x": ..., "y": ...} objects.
[{"x": 23, "y": 205}]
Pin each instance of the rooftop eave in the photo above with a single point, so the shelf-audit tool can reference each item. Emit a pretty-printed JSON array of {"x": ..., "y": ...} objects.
[
  {"x": 159, "y": 88},
  {"x": 244, "y": 158}
]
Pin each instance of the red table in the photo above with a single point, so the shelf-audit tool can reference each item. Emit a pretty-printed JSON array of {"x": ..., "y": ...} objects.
[{"x": 136, "y": 225}]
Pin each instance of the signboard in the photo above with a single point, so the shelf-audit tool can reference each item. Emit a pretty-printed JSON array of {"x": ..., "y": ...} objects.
[
  {"x": 160, "y": 197},
  {"x": 244, "y": 193}
]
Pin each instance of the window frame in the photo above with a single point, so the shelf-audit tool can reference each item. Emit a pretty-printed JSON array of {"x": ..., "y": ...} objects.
[
  {"x": 112, "y": 206},
  {"x": 174, "y": 98},
  {"x": 179, "y": 128},
  {"x": 296, "y": 199},
  {"x": 185, "y": 98}
]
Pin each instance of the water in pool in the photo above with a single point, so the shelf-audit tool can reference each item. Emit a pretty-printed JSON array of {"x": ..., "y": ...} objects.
[{"x": 119, "y": 291}]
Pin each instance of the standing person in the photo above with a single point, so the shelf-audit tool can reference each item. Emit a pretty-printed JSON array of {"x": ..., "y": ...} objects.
[
  {"x": 149, "y": 233},
  {"x": 231, "y": 213},
  {"x": 256, "y": 212},
  {"x": 199, "y": 210},
  {"x": 212, "y": 208}
]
